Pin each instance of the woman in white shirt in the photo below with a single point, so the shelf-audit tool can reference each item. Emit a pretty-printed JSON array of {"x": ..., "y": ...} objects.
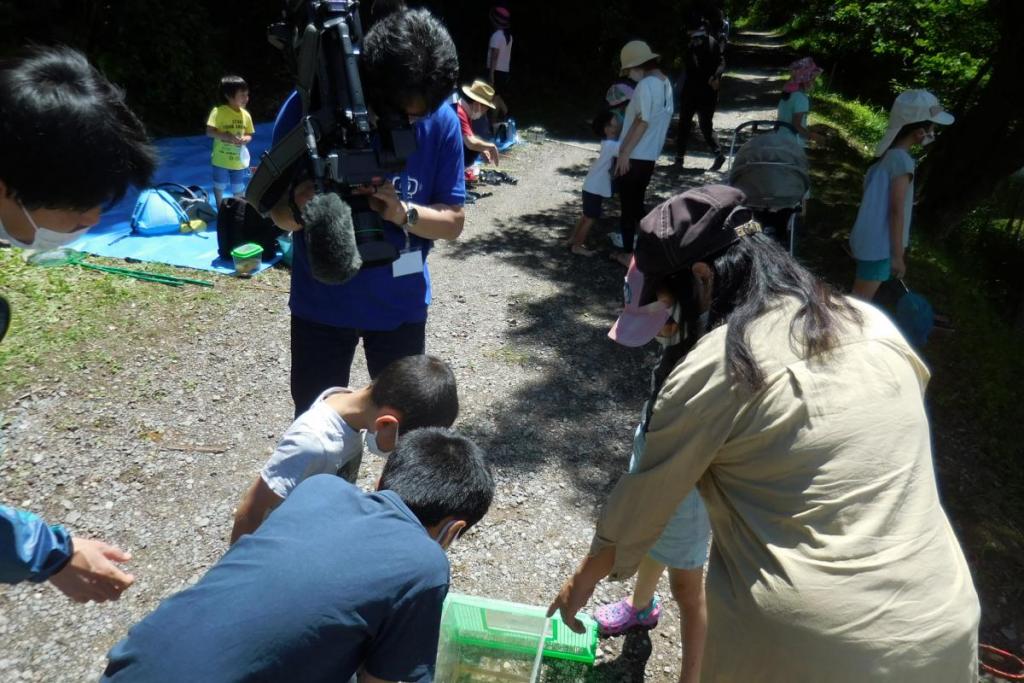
[{"x": 643, "y": 136}]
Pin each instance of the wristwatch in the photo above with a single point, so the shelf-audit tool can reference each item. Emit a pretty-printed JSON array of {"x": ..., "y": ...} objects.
[{"x": 412, "y": 216}]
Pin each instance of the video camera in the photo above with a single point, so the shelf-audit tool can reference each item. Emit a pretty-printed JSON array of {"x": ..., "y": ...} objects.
[{"x": 336, "y": 143}]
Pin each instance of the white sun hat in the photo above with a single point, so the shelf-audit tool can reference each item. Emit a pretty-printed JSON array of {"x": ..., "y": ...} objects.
[{"x": 912, "y": 106}]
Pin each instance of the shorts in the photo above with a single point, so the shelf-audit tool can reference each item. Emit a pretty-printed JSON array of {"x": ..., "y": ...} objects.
[
  {"x": 223, "y": 177},
  {"x": 592, "y": 205},
  {"x": 685, "y": 541},
  {"x": 874, "y": 271}
]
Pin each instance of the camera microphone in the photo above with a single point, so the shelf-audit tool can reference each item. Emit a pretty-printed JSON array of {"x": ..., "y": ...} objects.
[{"x": 330, "y": 239}]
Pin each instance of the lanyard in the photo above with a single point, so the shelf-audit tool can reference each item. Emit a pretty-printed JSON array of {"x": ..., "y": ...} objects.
[{"x": 403, "y": 194}]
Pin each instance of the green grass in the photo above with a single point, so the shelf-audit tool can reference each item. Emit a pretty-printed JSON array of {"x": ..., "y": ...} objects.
[
  {"x": 860, "y": 124},
  {"x": 67, "y": 318}
]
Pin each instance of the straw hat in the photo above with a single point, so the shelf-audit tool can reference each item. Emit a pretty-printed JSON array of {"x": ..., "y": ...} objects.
[
  {"x": 912, "y": 106},
  {"x": 480, "y": 91},
  {"x": 634, "y": 53}
]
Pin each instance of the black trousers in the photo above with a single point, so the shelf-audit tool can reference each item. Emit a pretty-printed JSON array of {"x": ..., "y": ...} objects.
[
  {"x": 322, "y": 355},
  {"x": 632, "y": 187},
  {"x": 703, "y": 104}
]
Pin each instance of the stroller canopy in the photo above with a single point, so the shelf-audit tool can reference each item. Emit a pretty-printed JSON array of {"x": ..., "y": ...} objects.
[{"x": 771, "y": 170}]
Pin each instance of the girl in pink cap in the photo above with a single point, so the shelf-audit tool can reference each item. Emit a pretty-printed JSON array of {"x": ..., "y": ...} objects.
[{"x": 795, "y": 106}]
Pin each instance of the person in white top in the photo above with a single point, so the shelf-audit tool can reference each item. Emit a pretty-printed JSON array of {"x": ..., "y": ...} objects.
[
  {"x": 412, "y": 392},
  {"x": 643, "y": 136},
  {"x": 598, "y": 184},
  {"x": 499, "y": 50}
]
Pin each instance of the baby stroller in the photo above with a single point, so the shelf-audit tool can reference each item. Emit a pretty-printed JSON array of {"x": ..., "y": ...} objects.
[{"x": 771, "y": 170}]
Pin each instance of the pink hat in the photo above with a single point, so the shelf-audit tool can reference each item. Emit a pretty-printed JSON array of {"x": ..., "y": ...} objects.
[
  {"x": 639, "y": 322},
  {"x": 802, "y": 72},
  {"x": 501, "y": 16}
]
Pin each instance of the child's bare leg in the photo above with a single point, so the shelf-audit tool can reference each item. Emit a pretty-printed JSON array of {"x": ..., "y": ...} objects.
[
  {"x": 865, "y": 289},
  {"x": 647, "y": 577},
  {"x": 688, "y": 591},
  {"x": 580, "y": 232},
  {"x": 218, "y": 195}
]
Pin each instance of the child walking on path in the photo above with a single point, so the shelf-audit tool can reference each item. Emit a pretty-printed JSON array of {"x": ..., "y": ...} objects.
[
  {"x": 881, "y": 232},
  {"x": 795, "y": 106},
  {"x": 230, "y": 126},
  {"x": 598, "y": 184}
]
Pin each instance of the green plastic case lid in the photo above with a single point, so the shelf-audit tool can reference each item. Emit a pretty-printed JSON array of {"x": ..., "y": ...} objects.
[{"x": 247, "y": 250}]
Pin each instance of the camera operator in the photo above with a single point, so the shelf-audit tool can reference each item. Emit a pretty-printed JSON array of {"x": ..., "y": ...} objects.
[
  {"x": 408, "y": 63},
  {"x": 68, "y": 146}
]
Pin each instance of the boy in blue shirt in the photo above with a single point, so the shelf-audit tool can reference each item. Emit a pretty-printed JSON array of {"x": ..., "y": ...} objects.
[
  {"x": 335, "y": 582},
  {"x": 408, "y": 62},
  {"x": 881, "y": 233}
]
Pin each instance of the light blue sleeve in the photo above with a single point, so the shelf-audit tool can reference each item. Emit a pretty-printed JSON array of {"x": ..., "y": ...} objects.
[{"x": 30, "y": 550}]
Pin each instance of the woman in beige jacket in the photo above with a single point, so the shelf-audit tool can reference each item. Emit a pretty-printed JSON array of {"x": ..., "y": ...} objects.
[{"x": 799, "y": 414}]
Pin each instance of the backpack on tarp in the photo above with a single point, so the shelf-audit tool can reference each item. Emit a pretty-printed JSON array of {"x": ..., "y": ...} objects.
[
  {"x": 238, "y": 222},
  {"x": 157, "y": 213},
  {"x": 192, "y": 199}
]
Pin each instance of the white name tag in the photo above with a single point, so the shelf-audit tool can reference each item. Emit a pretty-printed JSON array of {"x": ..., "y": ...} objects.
[{"x": 408, "y": 263}]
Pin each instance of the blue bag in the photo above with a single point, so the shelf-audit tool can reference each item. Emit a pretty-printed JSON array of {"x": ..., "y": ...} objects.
[
  {"x": 505, "y": 134},
  {"x": 157, "y": 213},
  {"x": 914, "y": 316}
]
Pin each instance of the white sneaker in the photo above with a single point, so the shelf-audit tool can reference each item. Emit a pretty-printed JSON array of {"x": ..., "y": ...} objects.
[{"x": 616, "y": 239}]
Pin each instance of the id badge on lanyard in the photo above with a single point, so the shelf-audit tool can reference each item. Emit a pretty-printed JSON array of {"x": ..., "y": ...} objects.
[{"x": 410, "y": 261}]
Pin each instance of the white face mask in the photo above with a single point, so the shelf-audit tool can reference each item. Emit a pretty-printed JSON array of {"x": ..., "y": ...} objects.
[
  {"x": 373, "y": 447},
  {"x": 929, "y": 138},
  {"x": 444, "y": 530},
  {"x": 45, "y": 238}
]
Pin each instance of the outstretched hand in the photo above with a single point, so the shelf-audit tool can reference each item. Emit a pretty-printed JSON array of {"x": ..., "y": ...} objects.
[
  {"x": 491, "y": 155},
  {"x": 91, "y": 574},
  {"x": 570, "y": 600}
]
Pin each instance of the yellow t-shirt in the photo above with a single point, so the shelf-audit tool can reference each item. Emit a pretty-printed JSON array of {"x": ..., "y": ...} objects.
[{"x": 227, "y": 120}]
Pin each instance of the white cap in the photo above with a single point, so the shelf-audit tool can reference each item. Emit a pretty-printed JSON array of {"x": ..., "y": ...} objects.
[{"x": 912, "y": 106}]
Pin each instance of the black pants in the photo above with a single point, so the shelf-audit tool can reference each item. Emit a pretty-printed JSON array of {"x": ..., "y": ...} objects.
[
  {"x": 631, "y": 188},
  {"x": 322, "y": 355},
  {"x": 703, "y": 104}
]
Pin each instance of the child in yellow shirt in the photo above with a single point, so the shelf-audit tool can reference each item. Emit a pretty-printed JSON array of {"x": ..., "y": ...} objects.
[{"x": 230, "y": 126}]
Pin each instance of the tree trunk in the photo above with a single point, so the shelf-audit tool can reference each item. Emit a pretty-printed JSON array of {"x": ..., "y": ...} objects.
[{"x": 986, "y": 144}]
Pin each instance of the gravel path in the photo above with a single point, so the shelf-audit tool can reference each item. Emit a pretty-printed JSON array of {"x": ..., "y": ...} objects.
[{"x": 152, "y": 448}]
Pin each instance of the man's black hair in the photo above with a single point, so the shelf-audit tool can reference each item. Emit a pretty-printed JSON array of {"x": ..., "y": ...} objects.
[
  {"x": 67, "y": 138},
  {"x": 231, "y": 84},
  {"x": 409, "y": 55},
  {"x": 439, "y": 473},
  {"x": 421, "y": 388},
  {"x": 601, "y": 120}
]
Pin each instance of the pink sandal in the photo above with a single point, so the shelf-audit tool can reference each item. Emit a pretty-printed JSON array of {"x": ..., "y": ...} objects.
[{"x": 618, "y": 617}]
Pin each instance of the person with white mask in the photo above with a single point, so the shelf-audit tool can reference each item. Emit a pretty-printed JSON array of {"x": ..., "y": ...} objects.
[
  {"x": 412, "y": 392},
  {"x": 69, "y": 145}
]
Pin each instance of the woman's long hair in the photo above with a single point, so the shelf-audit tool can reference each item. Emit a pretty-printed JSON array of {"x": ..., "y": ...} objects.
[{"x": 749, "y": 277}]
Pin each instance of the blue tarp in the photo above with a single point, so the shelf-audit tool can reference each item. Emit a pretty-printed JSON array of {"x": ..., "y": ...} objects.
[{"x": 184, "y": 160}]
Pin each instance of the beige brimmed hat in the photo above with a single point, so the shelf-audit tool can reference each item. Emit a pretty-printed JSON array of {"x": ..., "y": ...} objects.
[
  {"x": 634, "y": 53},
  {"x": 480, "y": 91},
  {"x": 912, "y": 106}
]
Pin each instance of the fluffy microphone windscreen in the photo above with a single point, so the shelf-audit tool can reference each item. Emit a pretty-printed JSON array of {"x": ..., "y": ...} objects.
[{"x": 330, "y": 239}]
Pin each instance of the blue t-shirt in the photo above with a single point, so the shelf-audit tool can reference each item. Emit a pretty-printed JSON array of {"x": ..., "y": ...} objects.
[
  {"x": 375, "y": 299},
  {"x": 334, "y": 580},
  {"x": 869, "y": 239}
]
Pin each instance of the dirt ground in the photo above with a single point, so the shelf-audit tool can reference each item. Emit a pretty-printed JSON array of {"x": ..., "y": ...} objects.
[{"x": 153, "y": 451}]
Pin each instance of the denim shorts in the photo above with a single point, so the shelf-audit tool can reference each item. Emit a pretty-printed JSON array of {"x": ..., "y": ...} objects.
[
  {"x": 592, "y": 204},
  {"x": 685, "y": 541},
  {"x": 874, "y": 271},
  {"x": 223, "y": 177}
]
